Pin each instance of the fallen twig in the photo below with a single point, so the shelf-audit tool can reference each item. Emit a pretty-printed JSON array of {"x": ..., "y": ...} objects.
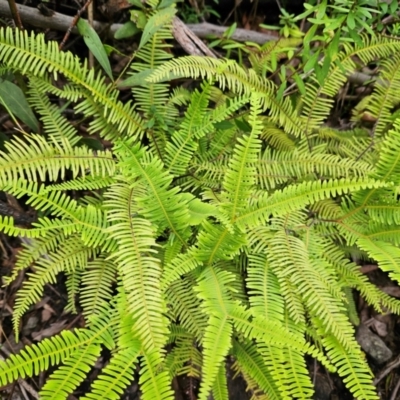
[
  {"x": 73, "y": 23},
  {"x": 63, "y": 22},
  {"x": 57, "y": 21},
  {"x": 15, "y": 14},
  {"x": 189, "y": 41},
  {"x": 386, "y": 371},
  {"x": 205, "y": 30}
]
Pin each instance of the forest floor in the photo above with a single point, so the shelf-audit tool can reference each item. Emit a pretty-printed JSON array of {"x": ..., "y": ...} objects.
[{"x": 379, "y": 334}]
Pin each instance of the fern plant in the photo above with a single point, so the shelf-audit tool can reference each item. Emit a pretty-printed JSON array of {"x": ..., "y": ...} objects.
[{"x": 218, "y": 224}]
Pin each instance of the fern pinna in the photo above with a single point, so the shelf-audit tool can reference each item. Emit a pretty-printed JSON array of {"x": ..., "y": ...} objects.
[{"x": 217, "y": 224}]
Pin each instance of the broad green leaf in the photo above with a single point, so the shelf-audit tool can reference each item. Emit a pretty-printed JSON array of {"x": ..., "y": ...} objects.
[
  {"x": 230, "y": 31},
  {"x": 199, "y": 211},
  {"x": 165, "y": 4},
  {"x": 137, "y": 79},
  {"x": 95, "y": 45},
  {"x": 233, "y": 46},
  {"x": 136, "y": 3},
  {"x": 309, "y": 10},
  {"x": 92, "y": 143},
  {"x": 394, "y": 6},
  {"x": 351, "y": 23},
  {"x": 127, "y": 30},
  {"x": 300, "y": 83},
  {"x": 243, "y": 125},
  {"x": 223, "y": 125},
  {"x": 15, "y": 102},
  {"x": 333, "y": 46},
  {"x": 155, "y": 23},
  {"x": 139, "y": 18},
  {"x": 321, "y": 10},
  {"x": 312, "y": 62}
]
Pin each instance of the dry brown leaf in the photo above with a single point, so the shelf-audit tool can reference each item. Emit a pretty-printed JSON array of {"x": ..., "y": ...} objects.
[{"x": 53, "y": 329}]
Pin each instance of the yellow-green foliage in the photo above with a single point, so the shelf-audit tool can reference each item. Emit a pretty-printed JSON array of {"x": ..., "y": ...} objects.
[{"x": 216, "y": 222}]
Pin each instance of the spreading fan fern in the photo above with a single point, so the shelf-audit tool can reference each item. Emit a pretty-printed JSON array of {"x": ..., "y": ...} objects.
[{"x": 213, "y": 227}]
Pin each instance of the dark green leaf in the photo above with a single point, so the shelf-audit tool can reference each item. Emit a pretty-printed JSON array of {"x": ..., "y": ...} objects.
[
  {"x": 15, "y": 102},
  {"x": 333, "y": 47},
  {"x": 139, "y": 18},
  {"x": 351, "y": 23},
  {"x": 127, "y": 30},
  {"x": 230, "y": 31},
  {"x": 243, "y": 125},
  {"x": 300, "y": 84},
  {"x": 155, "y": 23},
  {"x": 91, "y": 143},
  {"x": 138, "y": 79},
  {"x": 165, "y": 4},
  {"x": 3, "y": 138},
  {"x": 136, "y": 3},
  {"x": 311, "y": 63},
  {"x": 223, "y": 125},
  {"x": 95, "y": 45}
]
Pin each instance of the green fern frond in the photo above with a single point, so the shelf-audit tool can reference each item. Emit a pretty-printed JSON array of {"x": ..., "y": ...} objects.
[
  {"x": 33, "y": 249},
  {"x": 55, "y": 124},
  {"x": 220, "y": 388},
  {"x": 89, "y": 220},
  {"x": 352, "y": 367},
  {"x": 183, "y": 143},
  {"x": 7, "y": 225},
  {"x": 213, "y": 289},
  {"x": 31, "y": 55},
  {"x": 193, "y": 128},
  {"x": 155, "y": 383},
  {"x": 276, "y": 168},
  {"x": 185, "y": 307},
  {"x": 185, "y": 358},
  {"x": 72, "y": 284},
  {"x": 387, "y": 255},
  {"x": 388, "y": 166},
  {"x": 216, "y": 344},
  {"x": 162, "y": 205},
  {"x": 138, "y": 268},
  {"x": 179, "y": 266},
  {"x": 263, "y": 289},
  {"x": 73, "y": 371},
  {"x": 318, "y": 100},
  {"x": 83, "y": 183},
  {"x": 116, "y": 376},
  {"x": 296, "y": 197},
  {"x": 319, "y": 290},
  {"x": 34, "y": 158},
  {"x": 257, "y": 375},
  {"x": 153, "y": 98},
  {"x": 384, "y": 97},
  {"x": 38, "y": 358},
  {"x": 240, "y": 176},
  {"x": 73, "y": 254},
  {"x": 276, "y": 137},
  {"x": 229, "y": 74},
  {"x": 262, "y": 59},
  {"x": 293, "y": 381},
  {"x": 216, "y": 243},
  {"x": 258, "y": 328},
  {"x": 97, "y": 280}
]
